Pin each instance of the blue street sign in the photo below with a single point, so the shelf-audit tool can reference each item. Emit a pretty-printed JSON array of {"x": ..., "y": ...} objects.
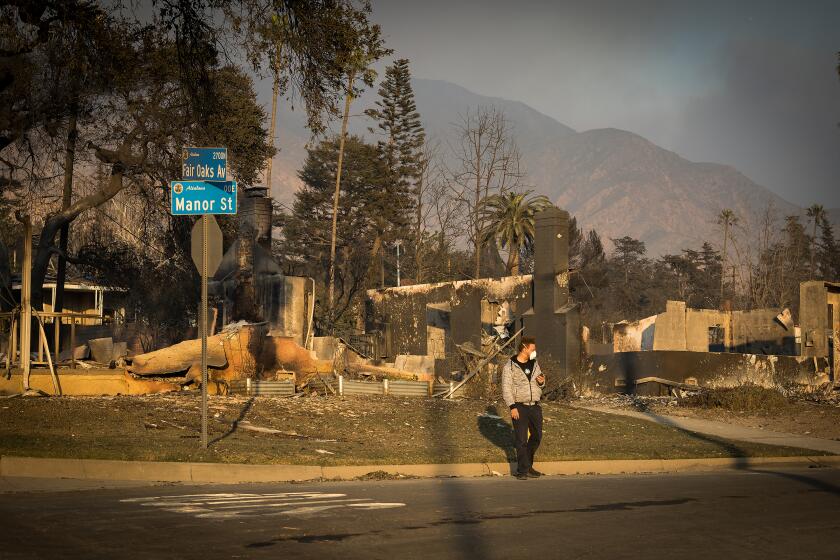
[
  {"x": 202, "y": 197},
  {"x": 204, "y": 164}
]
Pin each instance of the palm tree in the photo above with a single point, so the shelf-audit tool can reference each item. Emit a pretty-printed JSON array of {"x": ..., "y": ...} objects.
[
  {"x": 727, "y": 219},
  {"x": 817, "y": 213},
  {"x": 509, "y": 220}
]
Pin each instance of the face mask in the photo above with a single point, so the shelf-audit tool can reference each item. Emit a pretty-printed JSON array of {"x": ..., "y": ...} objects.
[{"x": 533, "y": 355}]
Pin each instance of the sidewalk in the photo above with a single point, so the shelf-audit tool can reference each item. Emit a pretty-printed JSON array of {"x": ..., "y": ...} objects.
[
  {"x": 98, "y": 471},
  {"x": 726, "y": 431}
]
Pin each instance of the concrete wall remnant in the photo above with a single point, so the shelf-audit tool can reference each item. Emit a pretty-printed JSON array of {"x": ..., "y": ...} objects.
[
  {"x": 707, "y": 330},
  {"x": 325, "y": 347},
  {"x": 819, "y": 320},
  {"x": 415, "y": 364},
  {"x": 636, "y": 336},
  {"x": 724, "y": 348},
  {"x": 671, "y": 327}
]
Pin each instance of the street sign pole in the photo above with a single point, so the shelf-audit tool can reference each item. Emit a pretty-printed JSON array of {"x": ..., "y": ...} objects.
[
  {"x": 204, "y": 219},
  {"x": 204, "y": 190}
]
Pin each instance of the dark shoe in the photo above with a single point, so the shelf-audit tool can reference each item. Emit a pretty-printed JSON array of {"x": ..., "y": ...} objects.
[
  {"x": 521, "y": 476},
  {"x": 533, "y": 473}
]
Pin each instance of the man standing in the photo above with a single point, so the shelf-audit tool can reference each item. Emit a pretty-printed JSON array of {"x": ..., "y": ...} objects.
[{"x": 522, "y": 384}]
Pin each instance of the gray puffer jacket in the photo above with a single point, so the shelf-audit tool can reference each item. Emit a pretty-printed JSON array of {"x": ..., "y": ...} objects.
[{"x": 516, "y": 388}]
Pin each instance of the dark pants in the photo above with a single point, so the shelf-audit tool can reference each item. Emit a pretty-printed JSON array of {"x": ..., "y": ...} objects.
[{"x": 530, "y": 419}]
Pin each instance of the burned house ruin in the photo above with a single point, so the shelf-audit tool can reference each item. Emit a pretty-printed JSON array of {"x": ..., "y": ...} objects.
[
  {"x": 719, "y": 348},
  {"x": 250, "y": 284},
  {"x": 819, "y": 323},
  {"x": 432, "y": 319}
]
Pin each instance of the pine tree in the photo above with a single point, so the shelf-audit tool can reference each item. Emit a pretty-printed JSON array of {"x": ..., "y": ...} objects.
[
  {"x": 308, "y": 228},
  {"x": 631, "y": 297},
  {"x": 709, "y": 277},
  {"x": 397, "y": 118},
  {"x": 401, "y": 148},
  {"x": 628, "y": 251}
]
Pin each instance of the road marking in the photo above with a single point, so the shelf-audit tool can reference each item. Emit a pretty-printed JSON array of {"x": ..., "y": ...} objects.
[
  {"x": 287, "y": 504},
  {"x": 376, "y": 505},
  {"x": 228, "y": 505},
  {"x": 247, "y": 499}
]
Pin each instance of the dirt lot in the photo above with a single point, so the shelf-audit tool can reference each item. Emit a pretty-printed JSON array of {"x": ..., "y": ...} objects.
[{"x": 330, "y": 431}]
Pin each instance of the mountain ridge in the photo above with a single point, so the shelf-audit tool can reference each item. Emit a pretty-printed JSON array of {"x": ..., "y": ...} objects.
[{"x": 614, "y": 181}]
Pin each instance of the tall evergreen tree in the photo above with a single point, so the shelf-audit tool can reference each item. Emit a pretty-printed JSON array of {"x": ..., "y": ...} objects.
[
  {"x": 397, "y": 118},
  {"x": 628, "y": 251},
  {"x": 308, "y": 228},
  {"x": 786, "y": 263},
  {"x": 696, "y": 276},
  {"x": 631, "y": 297},
  {"x": 401, "y": 147}
]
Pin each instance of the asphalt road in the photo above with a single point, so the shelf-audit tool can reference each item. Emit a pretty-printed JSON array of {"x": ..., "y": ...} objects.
[{"x": 778, "y": 514}]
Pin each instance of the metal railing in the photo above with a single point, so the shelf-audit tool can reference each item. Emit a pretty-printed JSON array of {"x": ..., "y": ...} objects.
[
  {"x": 259, "y": 388},
  {"x": 343, "y": 386}
]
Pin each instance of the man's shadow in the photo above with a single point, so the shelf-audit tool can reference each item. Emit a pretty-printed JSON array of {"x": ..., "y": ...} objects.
[{"x": 497, "y": 429}]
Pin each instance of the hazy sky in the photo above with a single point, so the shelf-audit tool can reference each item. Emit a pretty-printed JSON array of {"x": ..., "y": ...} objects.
[{"x": 748, "y": 83}]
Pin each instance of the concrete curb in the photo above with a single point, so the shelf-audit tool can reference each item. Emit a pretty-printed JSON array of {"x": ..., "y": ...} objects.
[{"x": 96, "y": 469}]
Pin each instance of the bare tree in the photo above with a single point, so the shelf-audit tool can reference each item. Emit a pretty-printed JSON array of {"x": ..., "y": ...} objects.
[
  {"x": 487, "y": 161},
  {"x": 429, "y": 187},
  {"x": 760, "y": 270}
]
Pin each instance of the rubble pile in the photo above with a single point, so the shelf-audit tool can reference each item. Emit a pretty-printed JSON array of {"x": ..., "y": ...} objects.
[{"x": 624, "y": 401}]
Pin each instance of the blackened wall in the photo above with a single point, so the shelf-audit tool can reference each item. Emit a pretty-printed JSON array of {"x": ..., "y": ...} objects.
[
  {"x": 408, "y": 311},
  {"x": 618, "y": 372}
]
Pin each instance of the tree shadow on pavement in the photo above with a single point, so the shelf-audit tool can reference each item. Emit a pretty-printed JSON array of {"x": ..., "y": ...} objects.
[
  {"x": 816, "y": 483},
  {"x": 468, "y": 539},
  {"x": 742, "y": 461}
]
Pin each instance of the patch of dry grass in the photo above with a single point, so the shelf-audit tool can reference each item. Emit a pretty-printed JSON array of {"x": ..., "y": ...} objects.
[
  {"x": 748, "y": 399},
  {"x": 365, "y": 430}
]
